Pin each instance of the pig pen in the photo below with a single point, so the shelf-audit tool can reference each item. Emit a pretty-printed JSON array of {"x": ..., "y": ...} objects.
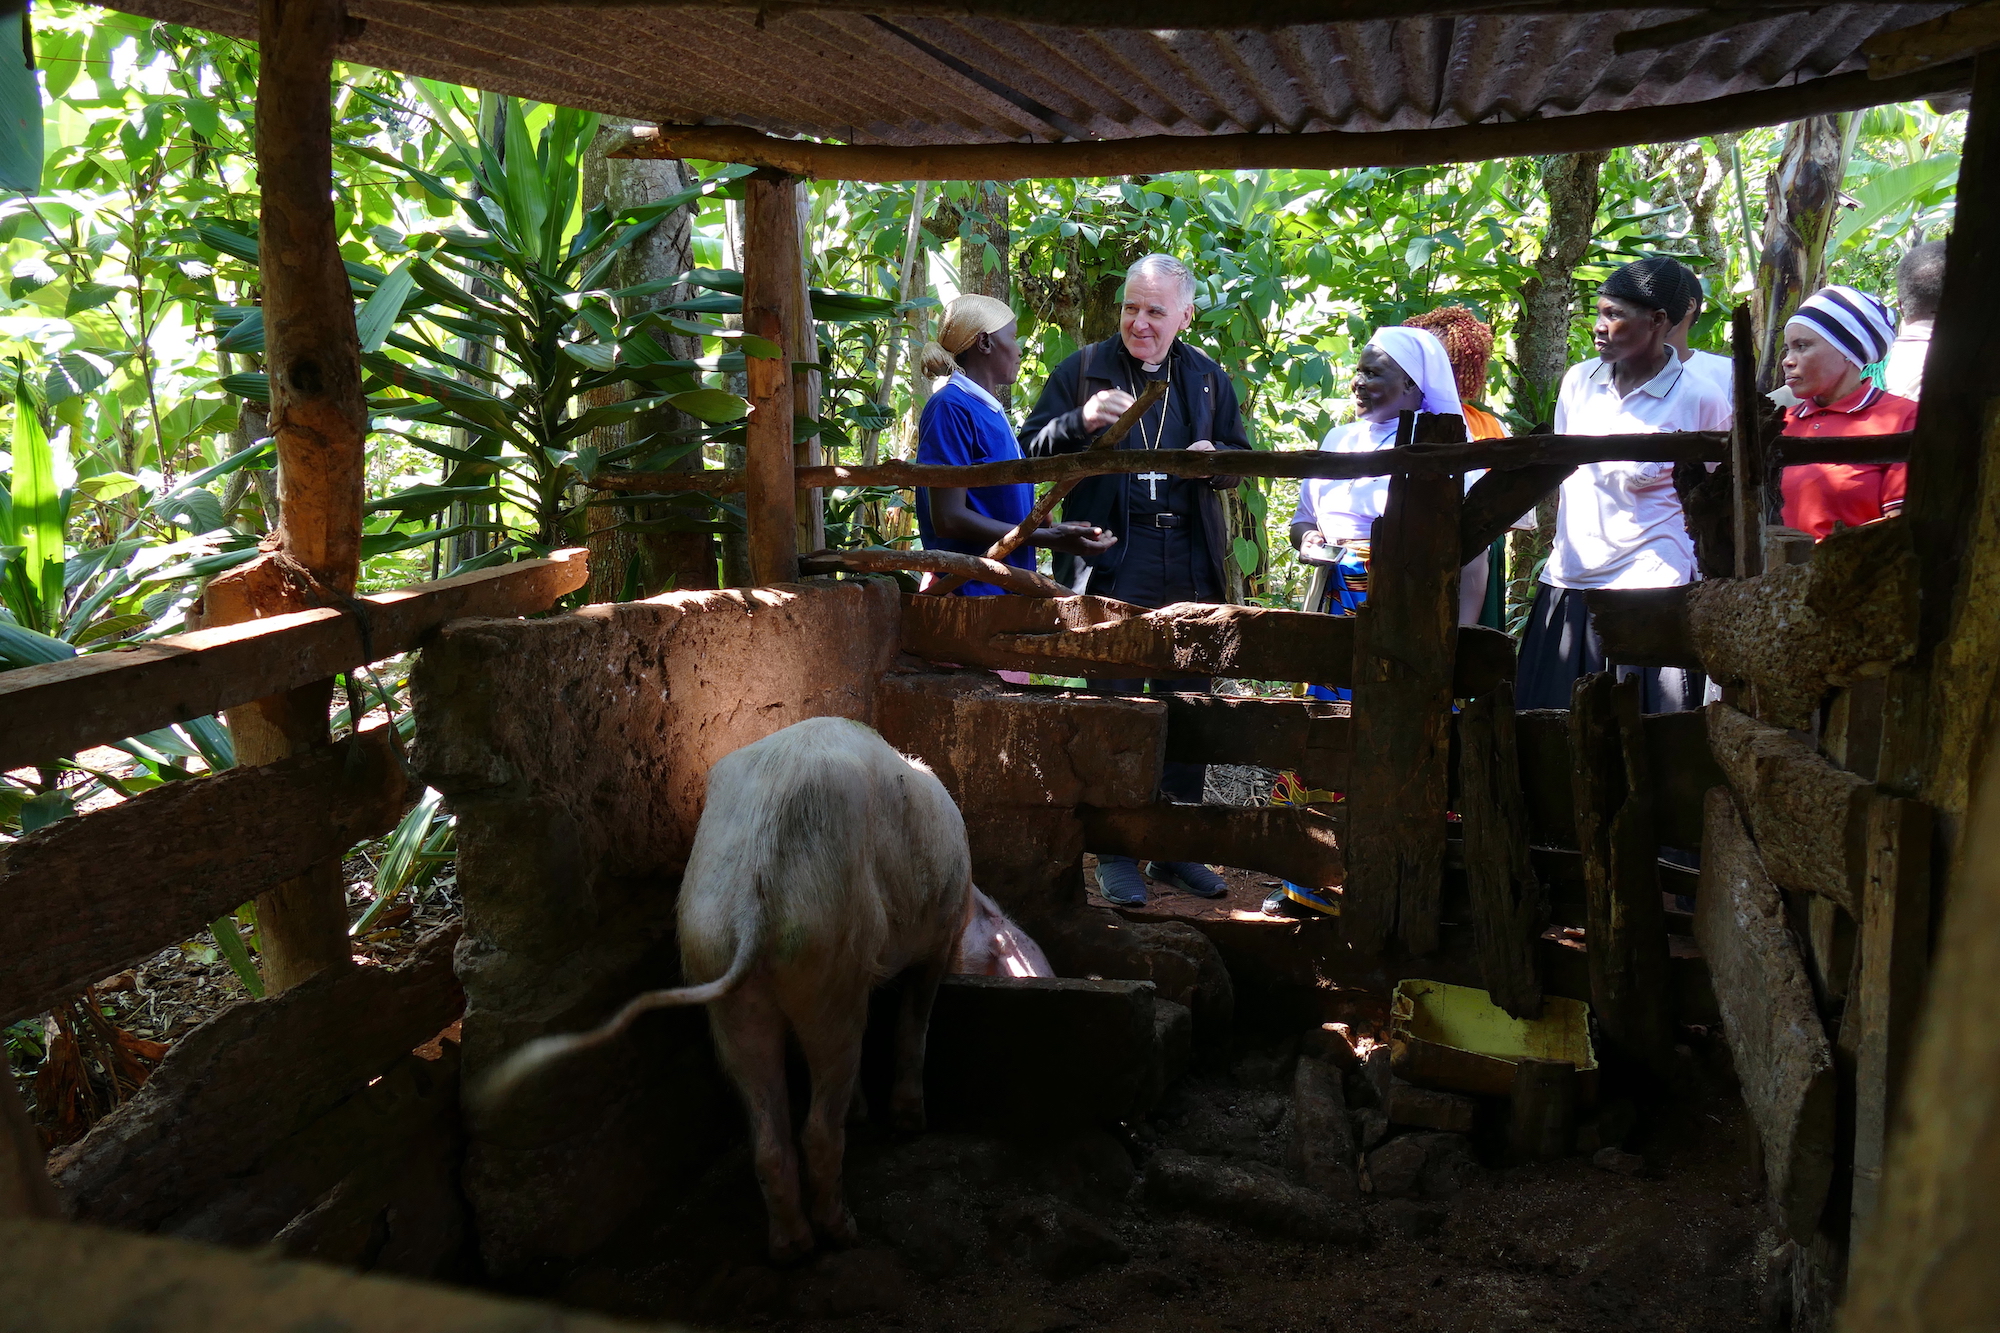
[
  {"x": 1169, "y": 1135},
  {"x": 1173, "y": 1133}
]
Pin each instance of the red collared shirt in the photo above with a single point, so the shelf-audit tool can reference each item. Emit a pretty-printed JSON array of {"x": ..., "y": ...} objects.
[{"x": 1819, "y": 495}]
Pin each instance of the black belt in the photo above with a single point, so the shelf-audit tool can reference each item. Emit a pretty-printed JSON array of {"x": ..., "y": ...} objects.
[{"x": 1161, "y": 520}]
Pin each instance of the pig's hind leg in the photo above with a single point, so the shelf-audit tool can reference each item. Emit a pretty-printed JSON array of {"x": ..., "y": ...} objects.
[
  {"x": 749, "y": 1030},
  {"x": 830, "y": 1029},
  {"x": 913, "y": 1025}
]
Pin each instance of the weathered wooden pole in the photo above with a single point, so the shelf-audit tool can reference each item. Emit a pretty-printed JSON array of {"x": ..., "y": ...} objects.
[
  {"x": 802, "y": 345},
  {"x": 771, "y": 288},
  {"x": 319, "y": 419},
  {"x": 1746, "y": 451},
  {"x": 1404, "y": 640},
  {"x": 1509, "y": 906},
  {"x": 1626, "y": 928}
]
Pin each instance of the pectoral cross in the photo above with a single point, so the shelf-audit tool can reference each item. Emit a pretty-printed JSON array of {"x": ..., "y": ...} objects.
[{"x": 1152, "y": 480}]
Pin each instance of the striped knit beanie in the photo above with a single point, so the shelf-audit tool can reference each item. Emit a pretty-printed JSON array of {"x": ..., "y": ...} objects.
[{"x": 1859, "y": 326}]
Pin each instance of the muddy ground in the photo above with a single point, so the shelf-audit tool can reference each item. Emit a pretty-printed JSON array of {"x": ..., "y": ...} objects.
[
  {"x": 964, "y": 1233},
  {"x": 1097, "y": 1230}
]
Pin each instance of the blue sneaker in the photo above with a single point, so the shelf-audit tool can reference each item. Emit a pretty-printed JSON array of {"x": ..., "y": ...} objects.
[
  {"x": 1118, "y": 880},
  {"x": 1189, "y": 876}
]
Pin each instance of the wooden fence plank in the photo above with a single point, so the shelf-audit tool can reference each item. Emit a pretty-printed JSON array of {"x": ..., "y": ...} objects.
[
  {"x": 1782, "y": 1056},
  {"x": 1095, "y": 636},
  {"x": 1404, "y": 642},
  {"x": 1301, "y": 845},
  {"x": 54, "y": 710},
  {"x": 1627, "y": 932},
  {"x": 1307, "y": 738},
  {"x": 1888, "y": 994},
  {"x": 96, "y": 892},
  {"x": 68, "y": 1279},
  {"x": 1810, "y": 818},
  {"x": 250, "y": 1076},
  {"x": 24, "y": 1182},
  {"x": 1509, "y": 906}
]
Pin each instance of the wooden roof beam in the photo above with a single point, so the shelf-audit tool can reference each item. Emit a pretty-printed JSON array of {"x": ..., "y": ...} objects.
[
  {"x": 1328, "y": 150},
  {"x": 1158, "y": 15}
]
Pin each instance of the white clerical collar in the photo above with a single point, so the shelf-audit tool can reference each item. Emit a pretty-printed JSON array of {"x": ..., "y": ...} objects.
[{"x": 966, "y": 382}]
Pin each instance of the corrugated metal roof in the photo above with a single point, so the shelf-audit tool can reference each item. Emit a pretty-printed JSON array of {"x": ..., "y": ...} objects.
[{"x": 907, "y": 80}]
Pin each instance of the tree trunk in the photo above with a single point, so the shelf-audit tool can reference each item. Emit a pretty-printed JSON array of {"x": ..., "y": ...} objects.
[
  {"x": 1548, "y": 300},
  {"x": 1803, "y": 199},
  {"x": 319, "y": 419},
  {"x": 1541, "y": 331},
  {"x": 978, "y": 271},
  {"x": 770, "y": 292},
  {"x": 667, "y": 561}
]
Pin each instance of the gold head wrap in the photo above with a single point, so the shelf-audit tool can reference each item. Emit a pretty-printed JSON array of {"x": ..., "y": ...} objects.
[{"x": 964, "y": 320}]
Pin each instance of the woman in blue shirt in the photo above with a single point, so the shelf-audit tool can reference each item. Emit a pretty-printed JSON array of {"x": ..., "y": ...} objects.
[{"x": 963, "y": 424}]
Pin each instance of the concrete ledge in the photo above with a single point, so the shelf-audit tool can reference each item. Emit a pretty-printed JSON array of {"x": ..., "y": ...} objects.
[{"x": 1042, "y": 1052}]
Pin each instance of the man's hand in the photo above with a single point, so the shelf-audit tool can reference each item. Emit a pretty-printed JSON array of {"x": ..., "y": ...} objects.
[
  {"x": 1105, "y": 407},
  {"x": 1219, "y": 480},
  {"x": 1077, "y": 539}
]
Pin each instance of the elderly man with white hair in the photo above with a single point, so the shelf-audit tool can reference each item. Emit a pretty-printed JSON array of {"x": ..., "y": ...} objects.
[{"x": 1170, "y": 530}]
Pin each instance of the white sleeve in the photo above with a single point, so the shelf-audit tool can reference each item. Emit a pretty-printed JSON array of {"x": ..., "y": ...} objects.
[{"x": 1304, "y": 513}]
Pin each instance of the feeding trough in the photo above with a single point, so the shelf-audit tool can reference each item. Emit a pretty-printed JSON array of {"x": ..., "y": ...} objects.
[{"x": 1457, "y": 1039}]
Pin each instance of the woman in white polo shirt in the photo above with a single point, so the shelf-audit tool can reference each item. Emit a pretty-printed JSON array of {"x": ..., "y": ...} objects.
[{"x": 1620, "y": 525}]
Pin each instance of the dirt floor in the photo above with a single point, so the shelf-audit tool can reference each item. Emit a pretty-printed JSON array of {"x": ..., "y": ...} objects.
[
  {"x": 1093, "y": 1229},
  {"x": 972, "y": 1234},
  {"x": 1099, "y": 1230}
]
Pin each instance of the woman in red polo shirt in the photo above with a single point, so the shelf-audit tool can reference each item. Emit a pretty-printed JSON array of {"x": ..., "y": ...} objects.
[{"x": 1837, "y": 332}]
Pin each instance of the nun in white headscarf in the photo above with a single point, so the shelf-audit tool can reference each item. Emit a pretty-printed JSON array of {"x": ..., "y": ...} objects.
[{"x": 1400, "y": 370}]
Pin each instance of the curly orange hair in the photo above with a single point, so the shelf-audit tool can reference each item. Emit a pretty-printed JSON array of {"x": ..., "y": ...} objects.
[{"x": 1467, "y": 342}]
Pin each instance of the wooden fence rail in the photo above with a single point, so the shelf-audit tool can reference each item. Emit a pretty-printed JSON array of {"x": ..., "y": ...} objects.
[
  {"x": 1418, "y": 460},
  {"x": 51, "y": 711},
  {"x": 100, "y": 891}
]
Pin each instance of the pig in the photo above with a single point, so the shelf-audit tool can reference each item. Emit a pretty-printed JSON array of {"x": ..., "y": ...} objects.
[
  {"x": 824, "y": 864},
  {"x": 993, "y": 946}
]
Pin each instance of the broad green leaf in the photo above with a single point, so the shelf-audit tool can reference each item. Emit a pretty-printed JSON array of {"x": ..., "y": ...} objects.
[
  {"x": 230, "y": 944},
  {"x": 20, "y": 646},
  {"x": 711, "y": 405},
  {"x": 40, "y": 811},
  {"x": 246, "y": 335},
  {"x": 229, "y": 239},
  {"x": 107, "y": 486},
  {"x": 255, "y": 386},
  {"x": 382, "y": 309},
  {"x": 419, "y": 501},
  {"x": 73, "y": 374},
  {"x": 36, "y": 512},
  {"x": 1887, "y": 191},
  {"x": 88, "y": 296}
]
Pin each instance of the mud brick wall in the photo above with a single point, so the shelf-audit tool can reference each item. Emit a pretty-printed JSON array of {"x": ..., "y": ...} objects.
[{"x": 575, "y": 752}]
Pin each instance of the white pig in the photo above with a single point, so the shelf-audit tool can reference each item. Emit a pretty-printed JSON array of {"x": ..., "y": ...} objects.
[
  {"x": 992, "y": 945},
  {"x": 825, "y": 863}
]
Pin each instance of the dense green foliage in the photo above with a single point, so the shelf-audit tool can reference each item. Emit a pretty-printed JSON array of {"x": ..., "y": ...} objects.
[{"x": 491, "y": 340}]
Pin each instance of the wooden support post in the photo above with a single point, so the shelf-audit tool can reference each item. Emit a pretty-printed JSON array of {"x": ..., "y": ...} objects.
[
  {"x": 802, "y": 345},
  {"x": 1746, "y": 454},
  {"x": 1888, "y": 992},
  {"x": 1404, "y": 639},
  {"x": 1627, "y": 928},
  {"x": 1541, "y": 1119},
  {"x": 1509, "y": 907},
  {"x": 770, "y": 289},
  {"x": 319, "y": 419},
  {"x": 24, "y": 1182}
]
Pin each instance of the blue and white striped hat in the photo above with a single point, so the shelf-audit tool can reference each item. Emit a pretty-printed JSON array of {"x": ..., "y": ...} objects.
[{"x": 1859, "y": 326}]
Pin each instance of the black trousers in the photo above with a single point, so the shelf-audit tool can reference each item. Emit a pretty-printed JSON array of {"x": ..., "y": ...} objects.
[
  {"x": 1178, "y": 781},
  {"x": 1163, "y": 566},
  {"x": 1561, "y": 647},
  {"x": 1160, "y": 566}
]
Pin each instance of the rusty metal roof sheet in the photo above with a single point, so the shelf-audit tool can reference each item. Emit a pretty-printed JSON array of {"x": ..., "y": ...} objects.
[{"x": 860, "y": 78}]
